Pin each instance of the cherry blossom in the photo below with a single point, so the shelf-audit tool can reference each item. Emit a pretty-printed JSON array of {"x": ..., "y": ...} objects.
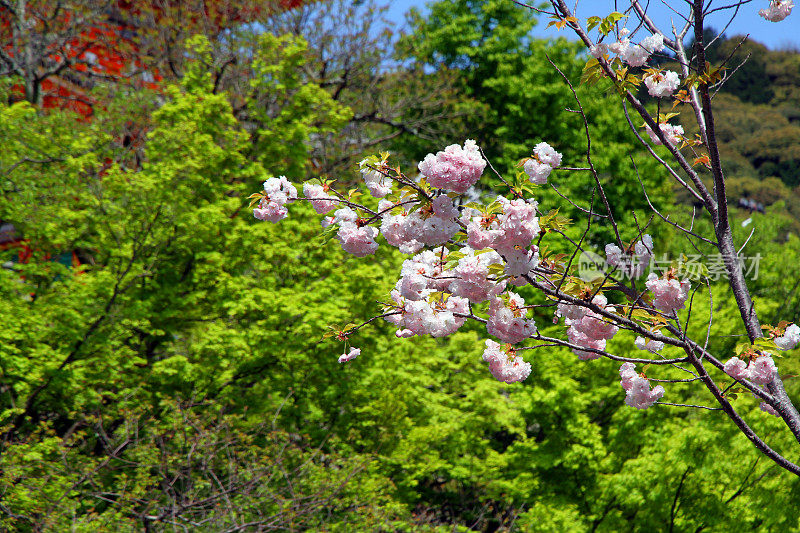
[
  {"x": 480, "y": 232},
  {"x": 438, "y": 230},
  {"x": 777, "y": 10},
  {"x": 504, "y": 364},
  {"x": 355, "y": 237},
  {"x": 544, "y": 160},
  {"x": 413, "y": 287},
  {"x": 357, "y": 240},
  {"x": 517, "y": 225},
  {"x": 403, "y": 231},
  {"x": 648, "y": 344},
  {"x": 632, "y": 54},
  {"x": 673, "y": 134},
  {"x": 345, "y": 214},
  {"x": 578, "y": 337},
  {"x": 789, "y": 339},
  {"x": 593, "y": 325},
  {"x": 511, "y": 234},
  {"x": 421, "y": 311},
  {"x": 598, "y": 50},
  {"x": 634, "y": 261},
  {"x": 449, "y": 272},
  {"x": 507, "y": 321},
  {"x": 472, "y": 276},
  {"x": 669, "y": 294},
  {"x": 622, "y": 42},
  {"x": 321, "y": 201},
  {"x": 277, "y": 193},
  {"x": 736, "y": 368},
  {"x": 437, "y": 318},
  {"x": 410, "y": 231},
  {"x": 454, "y": 169},
  {"x": 377, "y": 183},
  {"x": 661, "y": 84},
  {"x": 587, "y": 328},
  {"x": 627, "y": 371},
  {"x": 352, "y": 354},
  {"x": 760, "y": 370},
  {"x": 537, "y": 171},
  {"x": 638, "y": 393},
  {"x": 480, "y": 251},
  {"x": 270, "y": 211},
  {"x": 443, "y": 207},
  {"x": 429, "y": 264},
  {"x": 571, "y": 311}
]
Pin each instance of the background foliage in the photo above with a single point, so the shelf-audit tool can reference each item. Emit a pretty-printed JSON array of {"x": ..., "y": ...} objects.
[{"x": 177, "y": 376}]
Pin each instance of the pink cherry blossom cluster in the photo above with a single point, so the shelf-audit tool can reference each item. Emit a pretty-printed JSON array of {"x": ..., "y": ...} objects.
[
  {"x": 635, "y": 55},
  {"x": 662, "y": 84},
  {"x": 587, "y": 328},
  {"x": 438, "y": 316},
  {"x": 454, "y": 169},
  {"x": 777, "y": 10},
  {"x": 504, "y": 364},
  {"x": 634, "y": 261},
  {"x": 507, "y": 319},
  {"x": 464, "y": 260},
  {"x": 378, "y": 184},
  {"x": 423, "y": 274},
  {"x": 510, "y": 234},
  {"x": 545, "y": 159},
  {"x": 355, "y": 236},
  {"x": 469, "y": 281},
  {"x": 424, "y": 306},
  {"x": 438, "y": 284},
  {"x": 789, "y": 339},
  {"x": 669, "y": 294},
  {"x": 277, "y": 193},
  {"x": 673, "y": 134},
  {"x": 637, "y": 388},
  {"x": 410, "y": 231},
  {"x": 759, "y": 371},
  {"x": 321, "y": 201},
  {"x": 472, "y": 278},
  {"x": 421, "y": 312}
]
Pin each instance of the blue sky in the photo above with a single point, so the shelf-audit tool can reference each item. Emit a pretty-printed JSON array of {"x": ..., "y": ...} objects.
[{"x": 773, "y": 34}]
